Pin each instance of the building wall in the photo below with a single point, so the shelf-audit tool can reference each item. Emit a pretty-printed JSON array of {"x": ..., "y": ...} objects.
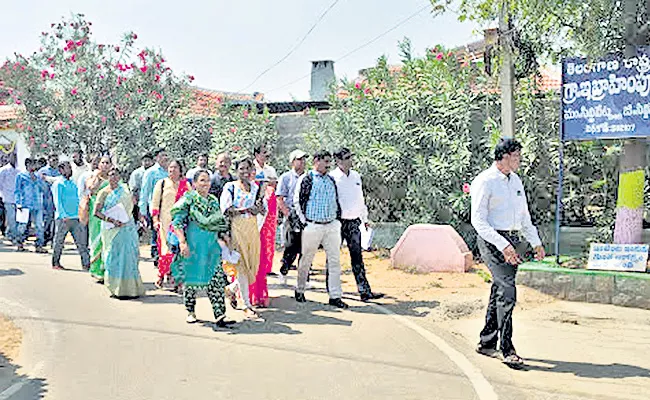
[
  {"x": 291, "y": 129},
  {"x": 8, "y": 136}
]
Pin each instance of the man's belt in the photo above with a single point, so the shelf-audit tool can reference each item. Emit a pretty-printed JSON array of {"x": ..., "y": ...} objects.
[
  {"x": 508, "y": 233},
  {"x": 319, "y": 222}
]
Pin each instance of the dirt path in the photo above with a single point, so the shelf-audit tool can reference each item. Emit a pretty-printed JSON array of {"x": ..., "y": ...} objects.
[{"x": 10, "y": 339}]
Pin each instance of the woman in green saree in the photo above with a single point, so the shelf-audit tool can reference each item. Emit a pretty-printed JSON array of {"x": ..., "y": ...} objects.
[
  {"x": 120, "y": 251},
  {"x": 198, "y": 224},
  {"x": 97, "y": 182}
]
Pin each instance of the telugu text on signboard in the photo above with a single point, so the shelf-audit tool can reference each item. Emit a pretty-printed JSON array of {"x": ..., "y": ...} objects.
[
  {"x": 606, "y": 99},
  {"x": 618, "y": 257}
]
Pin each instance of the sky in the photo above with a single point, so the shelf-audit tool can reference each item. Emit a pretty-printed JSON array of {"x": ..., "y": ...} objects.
[{"x": 226, "y": 44}]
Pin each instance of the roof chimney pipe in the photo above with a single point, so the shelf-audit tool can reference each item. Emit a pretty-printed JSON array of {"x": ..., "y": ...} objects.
[{"x": 322, "y": 77}]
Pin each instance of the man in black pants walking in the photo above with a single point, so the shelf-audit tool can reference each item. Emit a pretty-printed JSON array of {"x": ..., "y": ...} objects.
[
  {"x": 292, "y": 226},
  {"x": 500, "y": 215},
  {"x": 353, "y": 213}
]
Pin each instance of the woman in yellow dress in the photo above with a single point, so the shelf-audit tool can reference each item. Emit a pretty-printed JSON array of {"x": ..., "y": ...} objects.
[{"x": 165, "y": 194}]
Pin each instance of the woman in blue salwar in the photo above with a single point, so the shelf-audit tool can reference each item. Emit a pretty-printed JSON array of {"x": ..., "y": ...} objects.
[
  {"x": 120, "y": 253},
  {"x": 198, "y": 224}
]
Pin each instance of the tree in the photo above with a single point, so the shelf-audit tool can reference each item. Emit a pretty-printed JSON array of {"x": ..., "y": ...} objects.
[{"x": 78, "y": 93}]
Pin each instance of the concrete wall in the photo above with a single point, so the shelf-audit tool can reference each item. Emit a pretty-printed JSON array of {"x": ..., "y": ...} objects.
[{"x": 618, "y": 288}]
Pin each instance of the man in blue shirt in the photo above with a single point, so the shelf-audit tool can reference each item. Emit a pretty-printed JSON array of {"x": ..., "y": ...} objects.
[
  {"x": 48, "y": 174},
  {"x": 66, "y": 203},
  {"x": 29, "y": 193},
  {"x": 151, "y": 176},
  {"x": 316, "y": 202}
]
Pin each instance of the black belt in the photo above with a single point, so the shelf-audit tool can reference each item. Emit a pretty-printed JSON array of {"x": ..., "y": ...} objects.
[
  {"x": 508, "y": 233},
  {"x": 320, "y": 223}
]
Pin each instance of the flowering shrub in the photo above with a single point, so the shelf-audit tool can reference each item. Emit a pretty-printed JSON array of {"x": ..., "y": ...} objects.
[
  {"x": 238, "y": 130},
  {"x": 98, "y": 97}
]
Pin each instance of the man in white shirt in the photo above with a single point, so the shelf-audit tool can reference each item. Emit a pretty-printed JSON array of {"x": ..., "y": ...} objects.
[
  {"x": 201, "y": 163},
  {"x": 499, "y": 215},
  {"x": 262, "y": 169},
  {"x": 79, "y": 166},
  {"x": 353, "y": 213},
  {"x": 8, "y": 175}
]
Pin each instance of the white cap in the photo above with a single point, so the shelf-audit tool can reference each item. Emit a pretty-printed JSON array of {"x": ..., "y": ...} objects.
[{"x": 296, "y": 154}]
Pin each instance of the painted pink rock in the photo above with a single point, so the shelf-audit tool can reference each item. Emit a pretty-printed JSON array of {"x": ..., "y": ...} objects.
[{"x": 431, "y": 248}]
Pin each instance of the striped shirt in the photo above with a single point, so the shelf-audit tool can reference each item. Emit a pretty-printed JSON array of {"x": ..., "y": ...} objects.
[{"x": 322, "y": 205}]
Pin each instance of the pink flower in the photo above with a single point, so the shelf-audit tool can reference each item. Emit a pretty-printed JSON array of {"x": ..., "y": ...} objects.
[
  {"x": 60, "y": 125},
  {"x": 357, "y": 85},
  {"x": 439, "y": 56},
  {"x": 144, "y": 69},
  {"x": 52, "y": 75},
  {"x": 69, "y": 45},
  {"x": 140, "y": 90},
  {"x": 141, "y": 118},
  {"x": 266, "y": 121},
  {"x": 103, "y": 118},
  {"x": 18, "y": 102},
  {"x": 99, "y": 66},
  {"x": 71, "y": 116},
  {"x": 191, "y": 78},
  {"x": 210, "y": 130},
  {"x": 245, "y": 113},
  {"x": 44, "y": 146},
  {"x": 117, "y": 48},
  {"x": 157, "y": 78},
  {"x": 73, "y": 91},
  {"x": 236, "y": 148},
  {"x": 233, "y": 130},
  {"x": 67, "y": 127},
  {"x": 73, "y": 58},
  {"x": 135, "y": 36},
  {"x": 450, "y": 54},
  {"x": 81, "y": 70},
  {"x": 101, "y": 76},
  {"x": 366, "y": 90},
  {"x": 466, "y": 188},
  {"x": 80, "y": 43},
  {"x": 44, "y": 73}
]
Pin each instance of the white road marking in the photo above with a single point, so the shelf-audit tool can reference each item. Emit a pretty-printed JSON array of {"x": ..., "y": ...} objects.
[{"x": 482, "y": 387}]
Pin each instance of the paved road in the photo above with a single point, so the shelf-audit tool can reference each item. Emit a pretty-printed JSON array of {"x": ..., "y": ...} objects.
[{"x": 81, "y": 344}]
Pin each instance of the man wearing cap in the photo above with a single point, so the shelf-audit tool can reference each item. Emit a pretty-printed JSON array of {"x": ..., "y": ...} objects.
[
  {"x": 353, "y": 213},
  {"x": 292, "y": 227},
  {"x": 500, "y": 215}
]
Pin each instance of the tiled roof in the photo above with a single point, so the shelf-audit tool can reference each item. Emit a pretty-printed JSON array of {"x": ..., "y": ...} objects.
[{"x": 205, "y": 101}]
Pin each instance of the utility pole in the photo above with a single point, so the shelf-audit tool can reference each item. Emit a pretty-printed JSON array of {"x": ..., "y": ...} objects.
[
  {"x": 629, "y": 204},
  {"x": 507, "y": 80}
]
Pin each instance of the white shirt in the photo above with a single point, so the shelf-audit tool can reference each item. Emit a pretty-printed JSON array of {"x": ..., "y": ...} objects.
[
  {"x": 190, "y": 174},
  {"x": 77, "y": 171},
  {"x": 499, "y": 204},
  {"x": 264, "y": 172},
  {"x": 350, "y": 192}
]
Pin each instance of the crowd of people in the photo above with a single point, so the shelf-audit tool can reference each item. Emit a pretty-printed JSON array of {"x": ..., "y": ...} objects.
[{"x": 210, "y": 230}]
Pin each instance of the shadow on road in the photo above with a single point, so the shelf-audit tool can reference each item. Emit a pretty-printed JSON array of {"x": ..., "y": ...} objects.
[
  {"x": 15, "y": 386},
  {"x": 588, "y": 370},
  {"x": 11, "y": 272}
]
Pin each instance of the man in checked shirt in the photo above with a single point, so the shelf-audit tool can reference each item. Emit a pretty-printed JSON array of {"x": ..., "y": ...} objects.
[{"x": 500, "y": 215}]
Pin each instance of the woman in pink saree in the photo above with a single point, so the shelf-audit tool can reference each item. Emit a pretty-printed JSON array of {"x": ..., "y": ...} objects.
[{"x": 258, "y": 291}]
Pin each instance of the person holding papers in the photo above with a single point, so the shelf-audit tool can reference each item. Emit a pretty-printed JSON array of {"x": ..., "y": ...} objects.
[
  {"x": 353, "y": 213},
  {"x": 66, "y": 207},
  {"x": 114, "y": 207},
  {"x": 29, "y": 205}
]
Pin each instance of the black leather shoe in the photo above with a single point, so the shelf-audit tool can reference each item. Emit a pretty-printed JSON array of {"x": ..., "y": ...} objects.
[
  {"x": 338, "y": 303},
  {"x": 371, "y": 296},
  {"x": 300, "y": 297}
]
